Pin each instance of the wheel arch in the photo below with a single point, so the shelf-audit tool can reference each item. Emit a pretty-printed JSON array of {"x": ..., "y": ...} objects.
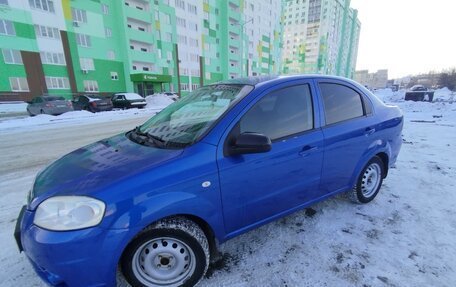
[
  {"x": 203, "y": 224},
  {"x": 383, "y": 152}
]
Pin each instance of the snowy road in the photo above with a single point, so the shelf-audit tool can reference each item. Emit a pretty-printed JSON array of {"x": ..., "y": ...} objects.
[
  {"x": 405, "y": 237},
  {"x": 23, "y": 154}
]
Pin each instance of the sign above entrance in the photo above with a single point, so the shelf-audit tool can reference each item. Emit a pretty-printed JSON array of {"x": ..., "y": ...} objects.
[{"x": 143, "y": 77}]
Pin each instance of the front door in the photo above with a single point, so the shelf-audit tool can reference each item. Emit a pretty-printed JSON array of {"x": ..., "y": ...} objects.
[
  {"x": 144, "y": 89},
  {"x": 256, "y": 187}
]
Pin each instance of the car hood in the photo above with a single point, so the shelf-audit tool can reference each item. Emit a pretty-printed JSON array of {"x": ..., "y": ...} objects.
[{"x": 96, "y": 166}]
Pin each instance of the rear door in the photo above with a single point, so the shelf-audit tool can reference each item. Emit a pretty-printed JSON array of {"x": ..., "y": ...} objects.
[
  {"x": 348, "y": 130},
  {"x": 257, "y": 187}
]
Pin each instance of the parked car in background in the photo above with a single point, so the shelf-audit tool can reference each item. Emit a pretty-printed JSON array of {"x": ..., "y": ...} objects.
[
  {"x": 92, "y": 103},
  {"x": 172, "y": 95},
  {"x": 419, "y": 93},
  {"x": 227, "y": 158},
  {"x": 417, "y": 88},
  {"x": 128, "y": 101},
  {"x": 51, "y": 105}
]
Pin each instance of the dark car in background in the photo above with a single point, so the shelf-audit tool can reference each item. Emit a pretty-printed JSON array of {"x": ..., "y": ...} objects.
[
  {"x": 128, "y": 101},
  {"x": 92, "y": 103},
  {"x": 419, "y": 93},
  {"x": 51, "y": 105}
]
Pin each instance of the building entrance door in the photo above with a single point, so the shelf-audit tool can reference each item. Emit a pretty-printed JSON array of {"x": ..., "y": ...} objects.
[{"x": 145, "y": 88}]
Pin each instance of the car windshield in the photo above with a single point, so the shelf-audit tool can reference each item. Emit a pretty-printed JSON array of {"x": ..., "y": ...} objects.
[
  {"x": 50, "y": 99},
  {"x": 131, "y": 96},
  {"x": 184, "y": 121},
  {"x": 94, "y": 97}
]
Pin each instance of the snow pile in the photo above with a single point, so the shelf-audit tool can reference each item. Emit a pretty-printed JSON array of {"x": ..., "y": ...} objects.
[
  {"x": 387, "y": 95},
  {"x": 72, "y": 119},
  {"x": 444, "y": 95},
  {"x": 158, "y": 101},
  {"x": 440, "y": 95},
  {"x": 15, "y": 107}
]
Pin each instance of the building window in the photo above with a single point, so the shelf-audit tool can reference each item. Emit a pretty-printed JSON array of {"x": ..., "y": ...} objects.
[
  {"x": 47, "y": 32},
  {"x": 193, "y": 42},
  {"x": 208, "y": 75},
  {"x": 52, "y": 58},
  {"x": 108, "y": 32},
  {"x": 12, "y": 56},
  {"x": 19, "y": 84},
  {"x": 90, "y": 86},
  {"x": 45, "y": 5},
  {"x": 192, "y": 9},
  {"x": 193, "y": 26},
  {"x": 181, "y": 22},
  {"x": 83, "y": 40},
  {"x": 7, "y": 28},
  {"x": 181, "y": 39},
  {"x": 184, "y": 87},
  {"x": 180, "y": 4},
  {"x": 114, "y": 76},
  {"x": 111, "y": 55},
  {"x": 105, "y": 9},
  {"x": 57, "y": 83},
  {"x": 87, "y": 64},
  {"x": 79, "y": 15}
]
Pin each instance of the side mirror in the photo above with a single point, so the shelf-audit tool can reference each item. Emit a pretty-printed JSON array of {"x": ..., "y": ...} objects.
[{"x": 251, "y": 143}]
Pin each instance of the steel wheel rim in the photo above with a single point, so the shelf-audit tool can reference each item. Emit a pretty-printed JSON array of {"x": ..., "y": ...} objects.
[
  {"x": 371, "y": 179},
  {"x": 163, "y": 261}
]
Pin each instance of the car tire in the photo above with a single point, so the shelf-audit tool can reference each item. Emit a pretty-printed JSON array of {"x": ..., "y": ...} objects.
[
  {"x": 30, "y": 113},
  {"x": 369, "y": 181},
  {"x": 171, "y": 252},
  {"x": 41, "y": 112}
]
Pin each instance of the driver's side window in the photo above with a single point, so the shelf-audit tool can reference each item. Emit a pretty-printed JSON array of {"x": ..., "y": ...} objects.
[{"x": 281, "y": 113}]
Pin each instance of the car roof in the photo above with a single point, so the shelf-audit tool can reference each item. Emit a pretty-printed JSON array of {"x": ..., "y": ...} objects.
[{"x": 263, "y": 80}]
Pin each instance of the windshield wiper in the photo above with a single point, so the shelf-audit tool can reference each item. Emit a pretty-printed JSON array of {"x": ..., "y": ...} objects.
[{"x": 144, "y": 137}]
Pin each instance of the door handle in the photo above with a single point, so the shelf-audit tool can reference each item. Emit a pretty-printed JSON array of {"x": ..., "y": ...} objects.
[
  {"x": 369, "y": 131},
  {"x": 306, "y": 150}
]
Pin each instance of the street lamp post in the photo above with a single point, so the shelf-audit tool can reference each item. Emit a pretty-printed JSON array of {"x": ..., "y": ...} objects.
[{"x": 242, "y": 25}]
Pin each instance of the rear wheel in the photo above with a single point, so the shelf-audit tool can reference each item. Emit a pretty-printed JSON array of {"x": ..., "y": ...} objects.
[
  {"x": 369, "y": 181},
  {"x": 172, "y": 252},
  {"x": 30, "y": 113}
]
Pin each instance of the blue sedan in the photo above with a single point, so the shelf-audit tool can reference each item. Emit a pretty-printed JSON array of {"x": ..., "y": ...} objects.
[{"x": 229, "y": 157}]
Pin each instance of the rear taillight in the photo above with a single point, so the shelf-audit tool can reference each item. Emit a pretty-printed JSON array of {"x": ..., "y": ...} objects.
[
  {"x": 93, "y": 104},
  {"x": 49, "y": 105},
  {"x": 69, "y": 104}
]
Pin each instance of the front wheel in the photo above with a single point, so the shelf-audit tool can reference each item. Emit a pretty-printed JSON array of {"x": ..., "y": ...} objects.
[
  {"x": 369, "y": 181},
  {"x": 172, "y": 252}
]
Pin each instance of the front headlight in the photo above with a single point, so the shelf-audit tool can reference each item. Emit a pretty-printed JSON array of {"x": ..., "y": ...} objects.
[{"x": 61, "y": 213}]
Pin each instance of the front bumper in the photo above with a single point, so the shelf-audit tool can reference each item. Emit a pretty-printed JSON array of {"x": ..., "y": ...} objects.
[{"x": 86, "y": 257}]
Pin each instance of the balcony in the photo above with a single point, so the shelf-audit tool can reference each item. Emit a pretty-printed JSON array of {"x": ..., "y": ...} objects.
[{"x": 141, "y": 36}]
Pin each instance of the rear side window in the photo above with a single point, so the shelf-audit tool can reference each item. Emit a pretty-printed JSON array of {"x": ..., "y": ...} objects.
[
  {"x": 341, "y": 103},
  {"x": 281, "y": 113}
]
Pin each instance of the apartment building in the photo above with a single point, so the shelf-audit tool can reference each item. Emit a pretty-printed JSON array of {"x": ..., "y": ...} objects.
[
  {"x": 64, "y": 47},
  {"x": 320, "y": 36},
  {"x": 377, "y": 80}
]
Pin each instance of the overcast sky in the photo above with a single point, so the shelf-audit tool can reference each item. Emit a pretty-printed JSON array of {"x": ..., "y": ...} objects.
[{"x": 406, "y": 36}]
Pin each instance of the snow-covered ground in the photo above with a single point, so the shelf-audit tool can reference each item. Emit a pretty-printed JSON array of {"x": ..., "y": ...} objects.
[{"x": 405, "y": 237}]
